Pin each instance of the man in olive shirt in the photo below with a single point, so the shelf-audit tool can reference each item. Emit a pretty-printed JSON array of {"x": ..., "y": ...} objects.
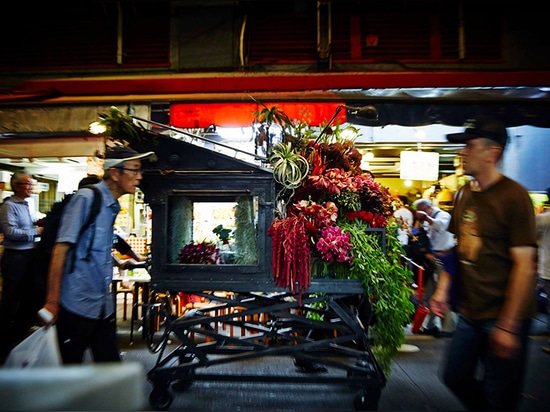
[{"x": 494, "y": 223}]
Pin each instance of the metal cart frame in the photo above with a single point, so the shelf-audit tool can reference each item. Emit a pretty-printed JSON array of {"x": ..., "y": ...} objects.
[{"x": 271, "y": 324}]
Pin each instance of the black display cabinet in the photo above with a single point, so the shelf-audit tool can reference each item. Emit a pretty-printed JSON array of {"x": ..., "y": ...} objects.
[{"x": 193, "y": 189}]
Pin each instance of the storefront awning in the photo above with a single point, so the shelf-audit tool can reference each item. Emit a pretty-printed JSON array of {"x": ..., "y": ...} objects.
[{"x": 56, "y": 145}]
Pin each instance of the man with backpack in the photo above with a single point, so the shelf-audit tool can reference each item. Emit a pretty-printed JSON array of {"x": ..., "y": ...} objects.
[{"x": 79, "y": 299}]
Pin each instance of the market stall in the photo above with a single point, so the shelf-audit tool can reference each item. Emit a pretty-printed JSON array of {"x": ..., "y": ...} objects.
[{"x": 304, "y": 274}]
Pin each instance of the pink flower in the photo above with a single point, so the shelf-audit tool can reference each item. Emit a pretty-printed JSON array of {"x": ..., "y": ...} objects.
[{"x": 334, "y": 246}]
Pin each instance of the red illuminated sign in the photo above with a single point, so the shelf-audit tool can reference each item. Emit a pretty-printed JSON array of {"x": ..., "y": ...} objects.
[{"x": 203, "y": 115}]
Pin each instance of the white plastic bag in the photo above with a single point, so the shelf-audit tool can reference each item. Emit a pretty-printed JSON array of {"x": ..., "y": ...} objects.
[{"x": 39, "y": 349}]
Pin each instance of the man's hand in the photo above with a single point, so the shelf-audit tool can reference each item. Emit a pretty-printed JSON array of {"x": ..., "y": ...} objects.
[
  {"x": 504, "y": 344},
  {"x": 439, "y": 302},
  {"x": 48, "y": 314}
]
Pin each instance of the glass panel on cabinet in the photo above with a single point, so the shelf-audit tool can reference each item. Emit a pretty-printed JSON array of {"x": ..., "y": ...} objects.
[{"x": 212, "y": 230}]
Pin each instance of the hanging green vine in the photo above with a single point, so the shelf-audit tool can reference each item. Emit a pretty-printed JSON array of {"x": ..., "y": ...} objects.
[{"x": 386, "y": 282}]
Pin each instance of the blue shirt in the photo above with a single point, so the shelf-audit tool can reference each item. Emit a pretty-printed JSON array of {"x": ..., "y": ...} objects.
[
  {"x": 17, "y": 224},
  {"x": 86, "y": 284}
]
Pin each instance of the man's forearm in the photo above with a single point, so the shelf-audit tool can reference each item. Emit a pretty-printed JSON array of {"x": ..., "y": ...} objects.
[
  {"x": 521, "y": 286},
  {"x": 55, "y": 276}
]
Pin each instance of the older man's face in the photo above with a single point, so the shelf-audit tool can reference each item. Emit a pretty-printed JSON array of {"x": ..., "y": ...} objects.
[
  {"x": 23, "y": 188},
  {"x": 130, "y": 176}
]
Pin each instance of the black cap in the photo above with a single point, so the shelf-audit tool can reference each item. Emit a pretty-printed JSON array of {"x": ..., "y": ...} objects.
[{"x": 487, "y": 127}]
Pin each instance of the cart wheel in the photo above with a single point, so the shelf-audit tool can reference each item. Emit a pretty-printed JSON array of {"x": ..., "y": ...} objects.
[
  {"x": 365, "y": 401},
  {"x": 160, "y": 399}
]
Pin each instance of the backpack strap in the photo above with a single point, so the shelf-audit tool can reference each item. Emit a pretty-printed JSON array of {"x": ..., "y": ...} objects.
[{"x": 96, "y": 205}]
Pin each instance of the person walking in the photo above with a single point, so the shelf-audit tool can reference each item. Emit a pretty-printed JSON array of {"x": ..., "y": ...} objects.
[
  {"x": 20, "y": 293},
  {"x": 543, "y": 230},
  {"x": 79, "y": 297},
  {"x": 436, "y": 221},
  {"x": 404, "y": 218},
  {"x": 494, "y": 222}
]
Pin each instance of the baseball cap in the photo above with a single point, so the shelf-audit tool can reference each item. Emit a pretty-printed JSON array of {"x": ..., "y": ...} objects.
[
  {"x": 487, "y": 127},
  {"x": 116, "y": 156}
]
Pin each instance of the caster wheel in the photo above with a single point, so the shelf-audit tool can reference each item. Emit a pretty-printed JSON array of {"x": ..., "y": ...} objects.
[
  {"x": 365, "y": 402},
  {"x": 160, "y": 399}
]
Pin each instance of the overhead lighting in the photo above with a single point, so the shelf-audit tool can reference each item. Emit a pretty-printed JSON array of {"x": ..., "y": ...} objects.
[
  {"x": 349, "y": 133},
  {"x": 96, "y": 128},
  {"x": 368, "y": 155},
  {"x": 419, "y": 166},
  {"x": 420, "y": 134}
]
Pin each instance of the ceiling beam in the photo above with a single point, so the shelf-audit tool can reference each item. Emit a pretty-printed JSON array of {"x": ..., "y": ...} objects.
[{"x": 216, "y": 84}]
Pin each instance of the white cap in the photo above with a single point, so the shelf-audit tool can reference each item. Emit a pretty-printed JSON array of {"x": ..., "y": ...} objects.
[{"x": 118, "y": 155}]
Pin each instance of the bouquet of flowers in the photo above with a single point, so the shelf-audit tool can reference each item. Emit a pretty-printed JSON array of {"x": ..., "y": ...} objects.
[
  {"x": 330, "y": 216},
  {"x": 202, "y": 253},
  {"x": 334, "y": 245}
]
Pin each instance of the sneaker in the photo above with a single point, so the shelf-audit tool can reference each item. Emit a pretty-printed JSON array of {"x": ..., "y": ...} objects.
[
  {"x": 430, "y": 331},
  {"x": 546, "y": 349},
  {"x": 443, "y": 334}
]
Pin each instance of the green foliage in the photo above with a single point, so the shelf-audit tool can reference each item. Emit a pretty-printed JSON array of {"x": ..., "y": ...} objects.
[
  {"x": 272, "y": 115},
  {"x": 222, "y": 233},
  {"x": 120, "y": 127},
  {"x": 386, "y": 282}
]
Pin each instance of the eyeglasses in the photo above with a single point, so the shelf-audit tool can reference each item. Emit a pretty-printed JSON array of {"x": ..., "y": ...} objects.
[
  {"x": 136, "y": 171},
  {"x": 25, "y": 183}
]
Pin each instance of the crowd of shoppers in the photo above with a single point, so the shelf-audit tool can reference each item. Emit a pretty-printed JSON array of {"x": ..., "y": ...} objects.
[{"x": 492, "y": 220}]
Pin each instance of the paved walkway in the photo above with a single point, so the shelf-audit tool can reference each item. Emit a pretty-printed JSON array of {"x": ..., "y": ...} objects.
[{"x": 413, "y": 385}]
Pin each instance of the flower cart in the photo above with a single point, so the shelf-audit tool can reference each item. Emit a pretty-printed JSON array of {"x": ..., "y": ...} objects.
[{"x": 281, "y": 276}]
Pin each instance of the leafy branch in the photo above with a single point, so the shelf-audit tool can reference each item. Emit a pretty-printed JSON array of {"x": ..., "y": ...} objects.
[{"x": 388, "y": 284}]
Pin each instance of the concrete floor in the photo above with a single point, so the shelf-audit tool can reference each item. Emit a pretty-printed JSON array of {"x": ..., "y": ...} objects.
[{"x": 413, "y": 384}]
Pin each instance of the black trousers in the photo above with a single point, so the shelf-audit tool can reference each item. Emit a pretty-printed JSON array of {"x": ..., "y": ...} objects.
[
  {"x": 76, "y": 334},
  {"x": 21, "y": 297}
]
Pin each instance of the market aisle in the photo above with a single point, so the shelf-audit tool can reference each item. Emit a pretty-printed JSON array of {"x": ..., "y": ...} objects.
[{"x": 414, "y": 384}]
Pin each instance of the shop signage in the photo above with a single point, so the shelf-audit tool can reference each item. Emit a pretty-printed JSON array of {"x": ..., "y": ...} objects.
[{"x": 243, "y": 114}]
